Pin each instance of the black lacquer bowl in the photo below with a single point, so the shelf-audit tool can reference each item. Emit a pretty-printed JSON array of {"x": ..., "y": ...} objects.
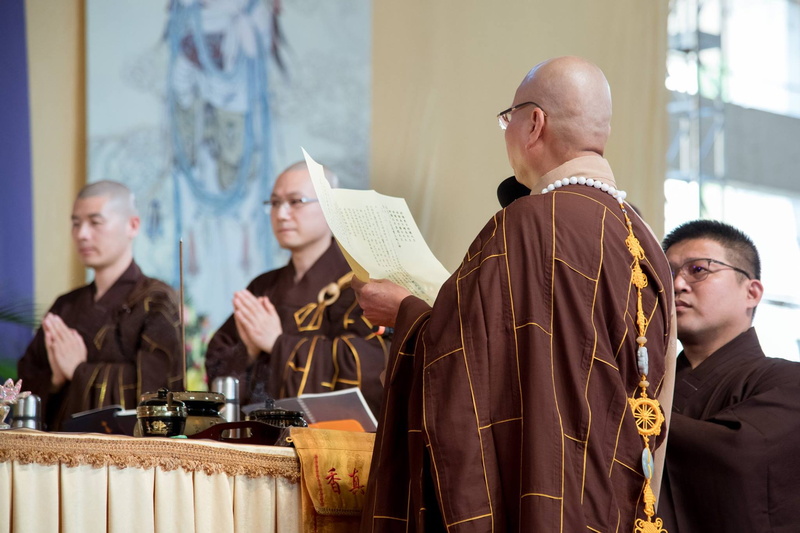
[
  {"x": 202, "y": 408},
  {"x": 161, "y": 416}
]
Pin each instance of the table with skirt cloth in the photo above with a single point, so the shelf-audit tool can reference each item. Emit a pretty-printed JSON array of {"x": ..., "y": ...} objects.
[{"x": 85, "y": 483}]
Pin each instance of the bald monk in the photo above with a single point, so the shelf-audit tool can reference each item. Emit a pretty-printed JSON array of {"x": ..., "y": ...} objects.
[
  {"x": 109, "y": 341},
  {"x": 298, "y": 329},
  {"x": 506, "y": 404}
]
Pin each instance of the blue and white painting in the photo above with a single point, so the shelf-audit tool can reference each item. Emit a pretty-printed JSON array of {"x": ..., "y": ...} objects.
[{"x": 197, "y": 104}]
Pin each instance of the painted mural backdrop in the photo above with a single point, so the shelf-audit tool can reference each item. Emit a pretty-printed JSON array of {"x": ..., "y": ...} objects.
[{"x": 197, "y": 104}]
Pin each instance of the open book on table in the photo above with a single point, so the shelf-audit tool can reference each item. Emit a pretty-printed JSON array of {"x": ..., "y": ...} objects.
[{"x": 345, "y": 404}]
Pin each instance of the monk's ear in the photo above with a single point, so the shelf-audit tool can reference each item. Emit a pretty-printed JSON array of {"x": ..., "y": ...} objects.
[
  {"x": 535, "y": 125},
  {"x": 133, "y": 226},
  {"x": 755, "y": 291}
]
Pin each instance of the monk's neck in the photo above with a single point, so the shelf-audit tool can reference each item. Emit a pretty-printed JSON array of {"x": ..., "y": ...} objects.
[
  {"x": 699, "y": 352},
  {"x": 590, "y": 166},
  {"x": 304, "y": 259},
  {"x": 105, "y": 277},
  {"x": 701, "y": 346}
]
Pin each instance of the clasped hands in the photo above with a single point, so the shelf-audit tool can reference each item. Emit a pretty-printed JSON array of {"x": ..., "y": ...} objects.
[
  {"x": 65, "y": 349},
  {"x": 257, "y": 322}
]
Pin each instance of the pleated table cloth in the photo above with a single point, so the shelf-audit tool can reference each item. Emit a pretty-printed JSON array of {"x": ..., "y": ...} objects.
[{"x": 86, "y": 483}]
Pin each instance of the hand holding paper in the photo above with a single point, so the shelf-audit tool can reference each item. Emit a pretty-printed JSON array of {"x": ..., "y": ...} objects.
[
  {"x": 378, "y": 237},
  {"x": 380, "y": 300}
]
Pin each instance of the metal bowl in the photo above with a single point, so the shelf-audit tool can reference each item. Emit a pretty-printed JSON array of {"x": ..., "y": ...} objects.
[
  {"x": 202, "y": 408},
  {"x": 278, "y": 417},
  {"x": 161, "y": 415}
]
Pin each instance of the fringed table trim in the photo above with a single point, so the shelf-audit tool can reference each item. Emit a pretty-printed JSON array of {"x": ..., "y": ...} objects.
[{"x": 127, "y": 452}]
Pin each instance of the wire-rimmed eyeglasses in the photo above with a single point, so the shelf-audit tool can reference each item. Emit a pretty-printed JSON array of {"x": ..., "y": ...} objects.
[
  {"x": 274, "y": 204},
  {"x": 695, "y": 270},
  {"x": 504, "y": 117}
]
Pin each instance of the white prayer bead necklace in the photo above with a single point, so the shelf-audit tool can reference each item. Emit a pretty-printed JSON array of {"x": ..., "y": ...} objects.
[{"x": 618, "y": 194}]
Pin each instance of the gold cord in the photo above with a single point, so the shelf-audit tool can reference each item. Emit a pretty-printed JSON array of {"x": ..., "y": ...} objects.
[{"x": 646, "y": 411}]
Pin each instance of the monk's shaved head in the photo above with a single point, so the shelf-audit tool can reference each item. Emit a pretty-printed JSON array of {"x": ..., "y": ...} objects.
[
  {"x": 120, "y": 197},
  {"x": 301, "y": 166},
  {"x": 571, "y": 118},
  {"x": 577, "y": 99}
]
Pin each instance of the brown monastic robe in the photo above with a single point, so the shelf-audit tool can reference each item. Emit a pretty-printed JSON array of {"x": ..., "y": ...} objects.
[
  {"x": 323, "y": 347},
  {"x": 733, "y": 463},
  {"x": 506, "y": 405},
  {"x": 133, "y": 343}
]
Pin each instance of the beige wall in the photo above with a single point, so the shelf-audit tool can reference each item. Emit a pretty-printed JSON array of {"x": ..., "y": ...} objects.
[
  {"x": 441, "y": 72},
  {"x": 55, "y": 37}
]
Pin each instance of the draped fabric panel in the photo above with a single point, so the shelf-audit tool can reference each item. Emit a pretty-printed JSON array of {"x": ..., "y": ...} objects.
[
  {"x": 16, "y": 207},
  {"x": 93, "y": 483},
  {"x": 56, "y": 72},
  {"x": 443, "y": 70}
]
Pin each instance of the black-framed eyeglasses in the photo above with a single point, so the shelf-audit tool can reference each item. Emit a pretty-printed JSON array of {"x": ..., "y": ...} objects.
[
  {"x": 274, "y": 204},
  {"x": 504, "y": 117},
  {"x": 695, "y": 270}
]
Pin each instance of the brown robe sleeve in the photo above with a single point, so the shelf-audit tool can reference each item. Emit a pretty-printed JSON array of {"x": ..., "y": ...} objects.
[
  {"x": 736, "y": 469},
  {"x": 506, "y": 404},
  {"x": 146, "y": 331},
  {"x": 345, "y": 353},
  {"x": 34, "y": 368},
  {"x": 134, "y": 349},
  {"x": 323, "y": 349},
  {"x": 227, "y": 356}
]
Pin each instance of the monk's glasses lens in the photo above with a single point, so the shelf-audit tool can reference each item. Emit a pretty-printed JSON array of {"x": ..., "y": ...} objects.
[{"x": 696, "y": 270}]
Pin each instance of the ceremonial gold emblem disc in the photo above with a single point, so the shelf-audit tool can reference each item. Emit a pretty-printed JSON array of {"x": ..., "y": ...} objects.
[{"x": 647, "y": 414}]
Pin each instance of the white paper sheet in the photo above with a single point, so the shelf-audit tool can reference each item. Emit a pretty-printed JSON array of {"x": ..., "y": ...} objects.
[{"x": 378, "y": 236}]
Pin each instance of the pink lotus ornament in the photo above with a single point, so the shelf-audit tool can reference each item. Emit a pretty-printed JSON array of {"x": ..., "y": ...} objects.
[{"x": 10, "y": 393}]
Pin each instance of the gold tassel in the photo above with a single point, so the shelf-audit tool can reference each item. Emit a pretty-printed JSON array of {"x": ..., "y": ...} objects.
[{"x": 646, "y": 411}]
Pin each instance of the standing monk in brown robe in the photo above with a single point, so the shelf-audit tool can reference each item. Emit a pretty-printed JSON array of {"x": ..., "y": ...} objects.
[
  {"x": 507, "y": 404},
  {"x": 732, "y": 463},
  {"x": 298, "y": 329},
  {"x": 110, "y": 341}
]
